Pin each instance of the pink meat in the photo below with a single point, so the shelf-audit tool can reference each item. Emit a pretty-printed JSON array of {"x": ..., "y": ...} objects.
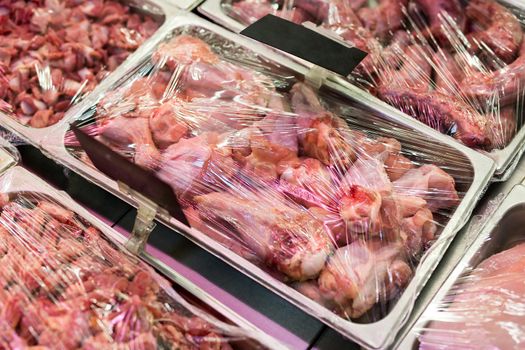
[
  {"x": 501, "y": 30},
  {"x": 484, "y": 309},
  {"x": 436, "y": 10},
  {"x": 133, "y": 132},
  {"x": 70, "y": 37},
  {"x": 76, "y": 290}
]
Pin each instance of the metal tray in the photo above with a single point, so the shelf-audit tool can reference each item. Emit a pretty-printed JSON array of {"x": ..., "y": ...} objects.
[
  {"x": 503, "y": 230},
  {"x": 160, "y": 10},
  {"x": 185, "y": 5},
  {"x": 21, "y": 180},
  {"x": 506, "y": 159},
  {"x": 372, "y": 335}
]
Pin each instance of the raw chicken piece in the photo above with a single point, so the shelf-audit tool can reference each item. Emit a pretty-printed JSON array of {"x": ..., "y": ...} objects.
[
  {"x": 329, "y": 11},
  {"x": 135, "y": 100},
  {"x": 167, "y": 126},
  {"x": 310, "y": 183},
  {"x": 441, "y": 112},
  {"x": 282, "y": 234},
  {"x": 341, "y": 18},
  {"x": 184, "y": 50},
  {"x": 415, "y": 72},
  {"x": 197, "y": 165},
  {"x": 249, "y": 11},
  {"x": 319, "y": 131},
  {"x": 501, "y": 30},
  {"x": 505, "y": 126},
  {"x": 430, "y": 183},
  {"x": 448, "y": 73},
  {"x": 199, "y": 73},
  {"x": 205, "y": 114},
  {"x": 272, "y": 142},
  {"x": 135, "y": 133},
  {"x": 418, "y": 230},
  {"x": 359, "y": 208},
  {"x": 369, "y": 172},
  {"x": 268, "y": 160},
  {"x": 436, "y": 10},
  {"x": 505, "y": 85},
  {"x": 484, "y": 308},
  {"x": 389, "y": 149},
  {"x": 361, "y": 192},
  {"x": 382, "y": 59},
  {"x": 384, "y": 19},
  {"x": 362, "y": 274}
]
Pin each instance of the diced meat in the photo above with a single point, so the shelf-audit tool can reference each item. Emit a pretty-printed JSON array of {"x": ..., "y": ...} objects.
[
  {"x": 66, "y": 36},
  {"x": 64, "y": 286}
]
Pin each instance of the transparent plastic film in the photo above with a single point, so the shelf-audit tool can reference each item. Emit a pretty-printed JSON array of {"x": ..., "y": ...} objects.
[
  {"x": 484, "y": 309},
  {"x": 54, "y": 52},
  {"x": 456, "y": 66},
  {"x": 480, "y": 305},
  {"x": 323, "y": 195},
  {"x": 65, "y": 286}
]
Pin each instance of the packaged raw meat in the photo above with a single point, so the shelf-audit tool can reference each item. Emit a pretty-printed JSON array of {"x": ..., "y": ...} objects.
[
  {"x": 68, "y": 284},
  {"x": 54, "y": 52},
  {"x": 311, "y": 193},
  {"x": 480, "y": 305},
  {"x": 457, "y": 66},
  {"x": 485, "y": 308}
]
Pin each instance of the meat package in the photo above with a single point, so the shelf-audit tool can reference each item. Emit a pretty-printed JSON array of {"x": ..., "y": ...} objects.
[
  {"x": 480, "y": 305},
  {"x": 54, "y": 52},
  {"x": 458, "y": 66},
  {"x": 308, "y": 191},
  {"x": 68, "y": 284}
]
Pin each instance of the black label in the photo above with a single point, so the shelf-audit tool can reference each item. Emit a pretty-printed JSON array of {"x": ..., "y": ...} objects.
[
  {"x": 306, "y": 44},
  {"x": 121, "y": 169}
]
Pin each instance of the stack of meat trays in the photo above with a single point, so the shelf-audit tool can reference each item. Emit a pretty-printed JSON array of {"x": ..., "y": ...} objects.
[
  {"x": 54, "y": 53},
  {"x": 334, "y": 204},
  {"x": 481, "y": 303},
  {"x": 457, "y": 66},
  {"x": 67, "y": 283}
]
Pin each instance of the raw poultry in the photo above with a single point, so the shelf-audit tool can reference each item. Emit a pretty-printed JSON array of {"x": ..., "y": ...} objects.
[
  {"x": 416, "y": 49},
  {"x": 280, "y": 174},
  {"x": 53, "y": 52},
  {"x": 76, "y": 290},
  {"x": 485, "y": 307}
]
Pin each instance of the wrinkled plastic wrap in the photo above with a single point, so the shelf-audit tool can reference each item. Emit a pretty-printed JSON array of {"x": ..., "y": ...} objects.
[
  {"x": 65, "y": 285},
  {"x": 484, "y": 309},
  {"x": 480, "y": 306},
  {"x": 457, "y": 66},
  {"x": 54, "y": 52},
  {"x": 335, "y": 201}
]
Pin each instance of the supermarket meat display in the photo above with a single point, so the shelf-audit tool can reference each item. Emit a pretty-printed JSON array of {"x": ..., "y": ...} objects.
[
  {"x": 53, "y": 52},
  {"x": 64, "y": 286},
  {"x": 455, "y": 65},
  {"x": 484, "y": 309},
  {"x": 341, "y": 213}
]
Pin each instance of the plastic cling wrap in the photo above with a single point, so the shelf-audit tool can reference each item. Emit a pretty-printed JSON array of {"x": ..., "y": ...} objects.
[
  {"x": 54, "y": 52},
  {"x": 457, "y": 66},
  {"x": 480, "y": 306},
  {"x": 485, "y": 309},
  {"x": 320, "y": 193},
  {"x": 66, "y": 286}
]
